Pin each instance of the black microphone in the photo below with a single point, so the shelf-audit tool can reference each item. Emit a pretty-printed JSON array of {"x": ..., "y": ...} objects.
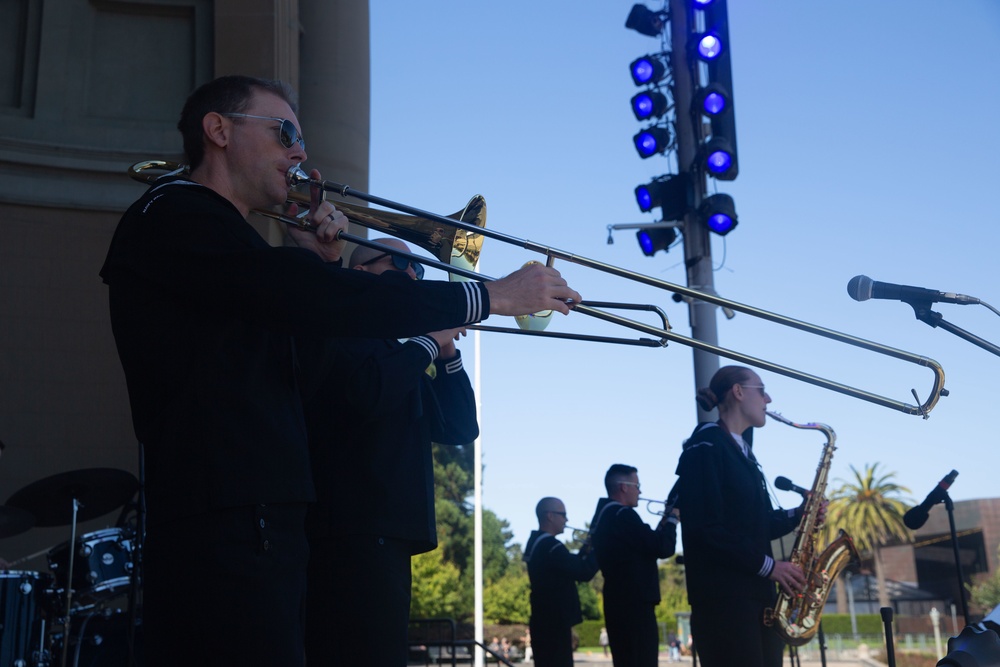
[
  {"x": 785, "y": 484},
  {"x": 862, "y": 288},
  {"x": 915, "y": 517}
]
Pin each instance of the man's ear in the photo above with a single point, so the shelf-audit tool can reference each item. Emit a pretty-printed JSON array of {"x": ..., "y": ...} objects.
[{"x": 217, "y": 128}]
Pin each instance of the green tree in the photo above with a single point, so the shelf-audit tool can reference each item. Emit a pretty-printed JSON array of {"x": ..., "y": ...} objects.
[
  {"x": 590, "y": 601},
  {"x": 986, "y": 595},
  {"x": 506, "y": 599},
  {"x": 437, "y": 589},
  {"x": 870, "y": 509},
  {"x": 453, "y": 481},
  {"x": 673, "y": 592}
]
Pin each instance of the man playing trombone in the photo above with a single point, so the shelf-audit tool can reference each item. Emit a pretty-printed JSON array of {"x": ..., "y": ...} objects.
[
  {"x": 204, "y": 314},
  {"x": 627, "y": 550},
  {"x": 358, "y": 595},
  {"x": 554, "y": 571}
]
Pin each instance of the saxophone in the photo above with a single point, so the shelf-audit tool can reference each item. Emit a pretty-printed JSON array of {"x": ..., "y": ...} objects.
[{"x": 796, "y": 617}]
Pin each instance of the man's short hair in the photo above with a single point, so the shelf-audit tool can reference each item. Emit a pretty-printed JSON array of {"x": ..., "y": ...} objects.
[
  {"x": 617, "y": 473},
  {"x": 227, "y": 94},
  {"x": 544, "y": 506}
]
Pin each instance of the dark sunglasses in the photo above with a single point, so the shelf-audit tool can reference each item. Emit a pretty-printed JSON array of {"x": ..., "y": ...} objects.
[
  {"x": 401, "y": 264},
  {"x": 288, "y": 134}
]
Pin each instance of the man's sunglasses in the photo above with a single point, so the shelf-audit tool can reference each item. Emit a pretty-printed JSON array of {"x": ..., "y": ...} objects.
[
  {"x": 288, "y": 134},
  {"x": 401, "y": 264}
]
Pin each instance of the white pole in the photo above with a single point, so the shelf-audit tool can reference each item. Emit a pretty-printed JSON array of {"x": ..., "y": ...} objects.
[
  {"x": 477, "y": 477},
  {"x": 936, "y": 621}
]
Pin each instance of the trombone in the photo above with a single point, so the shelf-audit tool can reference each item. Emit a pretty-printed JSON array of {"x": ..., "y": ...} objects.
[{"x": 440, "y": 235}]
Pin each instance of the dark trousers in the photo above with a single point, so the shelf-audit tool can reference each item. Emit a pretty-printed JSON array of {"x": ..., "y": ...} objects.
[
  {"x": 632, "y": 633},
  {"x": 226, "y": 588},
  {"x": 551, "y": 645},
  {"x": 731, "y": 631},
  {"x": 358, "y": 601}
]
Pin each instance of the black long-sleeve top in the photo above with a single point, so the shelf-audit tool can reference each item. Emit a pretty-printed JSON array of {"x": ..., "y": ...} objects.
[
  {"x": 371, "y": 425},
  {"x": 204, "y": 312},
  {"x": 627, "y": 551},
  {"x": 553, "y": 572},
  {"x": 728, "y": 519}
]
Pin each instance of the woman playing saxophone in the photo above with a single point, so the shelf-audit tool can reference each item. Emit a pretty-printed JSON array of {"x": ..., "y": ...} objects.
[{"x": 728, "y": 527}]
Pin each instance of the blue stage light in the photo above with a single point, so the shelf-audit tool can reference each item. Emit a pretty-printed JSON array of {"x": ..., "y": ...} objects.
[
  {"x": 720, "y": 223},
  {"x": 702, "y": 4},
  {"x": 651, "y": 141},
  {"x": 671, "y": 193},
  {"x": 718, "y": 213},
  {"x": 653, "y": 240},
  {"x": 714, "y": 104},
  {"x": 718, "y": 158},
  {"x": 719, "y": 161},
  {"x": 645, "y": 21},
  {"x": 647, "y": 70},
  {"x": 709, "y": 46},
  {"x": 713, "y": 100},
  {"x": 644, "y": 198},
  {"x": 648, "y": 105},
  {"x": 645, "y": 242}
]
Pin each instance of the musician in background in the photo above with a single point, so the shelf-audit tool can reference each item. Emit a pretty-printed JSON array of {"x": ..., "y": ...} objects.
[
  {"x": 554, "y": 571},
  {"x": 728, "y": 527},
  {"x": 204, "y": 314},
  {"x": 379, "y": 405},
  {"x": 627, "y": 551}
]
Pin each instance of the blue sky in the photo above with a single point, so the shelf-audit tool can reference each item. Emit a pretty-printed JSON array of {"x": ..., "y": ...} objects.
[{"x": 867, "y": 145}]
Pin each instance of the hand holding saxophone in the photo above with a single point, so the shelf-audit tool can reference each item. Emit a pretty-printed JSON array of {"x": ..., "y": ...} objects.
[{"x": 789, "y": 576}]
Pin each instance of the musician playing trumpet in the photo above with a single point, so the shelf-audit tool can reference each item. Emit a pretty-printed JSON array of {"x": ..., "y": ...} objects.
[
  {"x": 554, "y": 571},
  {"x": 728, "y": 527},
  {"x": 627, "y": 550}
]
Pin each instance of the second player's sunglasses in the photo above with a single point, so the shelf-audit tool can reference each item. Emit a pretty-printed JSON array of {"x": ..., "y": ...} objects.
[{"x": 401, "y": 263}]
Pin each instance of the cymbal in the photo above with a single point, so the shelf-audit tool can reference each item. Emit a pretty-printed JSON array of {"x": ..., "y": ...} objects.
[
  {"x": 98, "y": 490},
  {"x": 14, "y": 521}
]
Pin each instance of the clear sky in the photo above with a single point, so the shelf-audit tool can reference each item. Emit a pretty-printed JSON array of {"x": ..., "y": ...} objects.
[{"x": 868, "y": 143}]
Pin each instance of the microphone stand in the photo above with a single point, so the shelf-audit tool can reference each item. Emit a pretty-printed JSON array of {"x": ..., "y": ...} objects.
[
  {"x": 923, "y": 312},
  {"x": 950, "y": 506},
  {"x": 822, "y": 645},
  {"x": 890, "y": 653}
]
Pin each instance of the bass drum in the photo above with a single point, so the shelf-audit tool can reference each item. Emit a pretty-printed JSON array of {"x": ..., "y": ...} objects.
[
  {"x": 99, "y": 639},
  {"x": 24, "y": 596}
]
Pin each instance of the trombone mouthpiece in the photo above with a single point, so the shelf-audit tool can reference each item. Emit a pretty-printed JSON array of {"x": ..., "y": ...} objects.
[{"x": 295, "y": 175}]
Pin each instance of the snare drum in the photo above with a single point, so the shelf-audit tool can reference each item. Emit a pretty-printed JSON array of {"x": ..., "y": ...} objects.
[
  {"x": 102, "y": 568},
  {"x": 23, "y": 597}
]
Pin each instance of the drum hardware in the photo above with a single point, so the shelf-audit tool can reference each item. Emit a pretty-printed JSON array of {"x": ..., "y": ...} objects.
[
  {"x": 97, "y": 491},
  {"x": 23, "y": 601},
  {"x": 104, "y": 567},
  {"x": 68, "y": 498}
]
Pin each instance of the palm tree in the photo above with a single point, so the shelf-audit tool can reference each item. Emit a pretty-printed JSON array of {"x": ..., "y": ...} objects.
[{"x": 870, "y": 508}]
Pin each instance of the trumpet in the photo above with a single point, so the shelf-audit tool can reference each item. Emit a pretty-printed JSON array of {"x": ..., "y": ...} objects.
[
  {"x": 666, "y": 509},
  {"x": 456, "y": 252}
]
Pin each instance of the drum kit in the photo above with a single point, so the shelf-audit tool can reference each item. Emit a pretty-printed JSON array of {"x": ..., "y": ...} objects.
[{"x": 74, "y": 599}]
